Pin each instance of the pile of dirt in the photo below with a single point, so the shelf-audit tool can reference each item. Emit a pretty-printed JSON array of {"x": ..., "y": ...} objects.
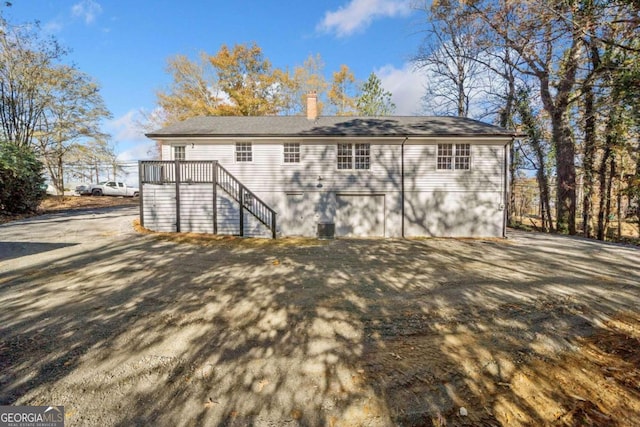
[{"x": 595, "y": 384}]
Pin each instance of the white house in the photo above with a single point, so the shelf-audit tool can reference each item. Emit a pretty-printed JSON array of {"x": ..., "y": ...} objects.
[{"x": 352, "y": 176}]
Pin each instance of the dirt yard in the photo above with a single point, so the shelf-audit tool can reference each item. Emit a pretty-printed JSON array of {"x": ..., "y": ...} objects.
[
  {"x": 51, "y": 204},
  {"x": 126, "y": 328}
]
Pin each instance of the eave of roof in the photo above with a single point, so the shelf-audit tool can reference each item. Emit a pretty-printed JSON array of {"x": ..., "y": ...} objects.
[{"x": 330, "y": 126}]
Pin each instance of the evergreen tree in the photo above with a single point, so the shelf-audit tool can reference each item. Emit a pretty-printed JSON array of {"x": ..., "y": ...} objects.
[
  {"x": 21, "y": 179},
  {"x": 374, "y": 100}
]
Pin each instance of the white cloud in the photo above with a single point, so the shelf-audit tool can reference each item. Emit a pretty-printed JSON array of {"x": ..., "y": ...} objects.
[
  {"x": 142, "y": 151},
  {"x": 406, "y": 85},
  {"x": 126, "y": 127},
  {"x": 53, "y": 26},
  {"x": 86, "y": 10},
  {"x": 358, "y": 14},
  {"x": 128, "y": 131}
]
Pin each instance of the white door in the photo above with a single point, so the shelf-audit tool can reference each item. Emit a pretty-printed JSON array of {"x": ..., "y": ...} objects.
[{"x": 359, "y": 215}]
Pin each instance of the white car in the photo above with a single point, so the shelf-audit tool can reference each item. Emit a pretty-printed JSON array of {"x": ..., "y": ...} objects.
[{"x": 113, "y": 188}]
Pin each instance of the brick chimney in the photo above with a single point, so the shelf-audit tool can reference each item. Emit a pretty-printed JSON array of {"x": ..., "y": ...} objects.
[{"x": 312, "y": 105}]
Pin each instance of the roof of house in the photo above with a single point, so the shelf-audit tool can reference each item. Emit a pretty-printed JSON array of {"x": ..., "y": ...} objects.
[{"x": 300, "y": 126}]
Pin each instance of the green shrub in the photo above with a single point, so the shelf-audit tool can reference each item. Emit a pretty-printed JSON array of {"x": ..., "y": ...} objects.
[{"x": 21, "y": 180}]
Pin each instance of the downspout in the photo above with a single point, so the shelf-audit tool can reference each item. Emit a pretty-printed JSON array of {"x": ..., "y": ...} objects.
[
  {"x": 141, "y": 179},
  {"x": 402, "y": 182}
]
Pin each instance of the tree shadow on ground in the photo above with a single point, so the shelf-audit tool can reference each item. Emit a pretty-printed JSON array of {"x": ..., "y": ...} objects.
[
  {"x": 358, "y": 332},
  {"x": 11, "y": 250}
]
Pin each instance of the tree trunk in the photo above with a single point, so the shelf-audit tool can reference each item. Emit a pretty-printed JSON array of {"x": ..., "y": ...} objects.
[
  {"x": 558, "y": 108},
  {"x": 61, "y": 177},
  {"x": 543, "y": 206},
  {"x": 462, "y": 111},
  {"x": 602, "y": 184},
  {"x": 533, "y": 131},
  {"x": 506, "y": 119},
  {"x": 619, "y": 202},
  {"x": 566, "y": 174},
  {"x": 589, "y": 152},
  {"x": 637, "y": 205},
  {"x": 612, "y": 174},
  {"x": 545, "y": 198}
]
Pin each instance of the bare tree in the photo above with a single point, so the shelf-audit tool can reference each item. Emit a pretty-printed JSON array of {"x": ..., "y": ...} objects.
[
  {"x": 25, "y": 63},
  {"x": 72, "y": 115},
  {"x": 449, "y": 56},
  {"x": 548, "y": 40}
]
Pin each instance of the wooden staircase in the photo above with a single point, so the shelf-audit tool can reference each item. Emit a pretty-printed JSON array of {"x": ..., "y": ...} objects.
[
  {"x": 247, "y": 200},
  {"x": 206, "y": 172}
]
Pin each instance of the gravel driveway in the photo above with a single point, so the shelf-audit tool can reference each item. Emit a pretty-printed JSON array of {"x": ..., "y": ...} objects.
[{"x": 131, "y": 329}]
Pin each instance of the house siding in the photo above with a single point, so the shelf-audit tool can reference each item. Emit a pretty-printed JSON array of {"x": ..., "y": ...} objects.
[
  {"x": 454, "y": 203},
  {"x": 196, "y": 208},
  {"x": 316, "y": 180},
  {"x": 437, "y": 203},
  {"x": 159, "y": 203}
]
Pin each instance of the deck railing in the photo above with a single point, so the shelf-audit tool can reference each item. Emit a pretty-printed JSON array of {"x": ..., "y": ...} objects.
[{"x": 209, "y": 172}]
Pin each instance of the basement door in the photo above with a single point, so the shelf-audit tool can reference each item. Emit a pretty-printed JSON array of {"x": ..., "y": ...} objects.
[{"x": 360, "y": 215}]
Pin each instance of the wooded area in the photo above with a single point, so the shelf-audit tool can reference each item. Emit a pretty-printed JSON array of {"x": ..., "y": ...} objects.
[{"x": 565, "y": 74}]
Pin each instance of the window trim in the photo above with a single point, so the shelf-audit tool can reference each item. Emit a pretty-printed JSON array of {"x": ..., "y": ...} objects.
[
  {"x": 284, "y": 154},
  {"x": 236, "y": 152},
  {"x": 354, "y": 157},
  {"x": 454, "y": 157}
]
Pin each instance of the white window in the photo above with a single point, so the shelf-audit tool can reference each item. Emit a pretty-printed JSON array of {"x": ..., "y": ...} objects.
[
  {"x": 362, "y": 156},
  {"x": 345, "y": 156},
  {"x": 291, "y": 153},
  {"x": 454, "y": 156},
  {"x": 179, "y": 152},
  {"x": 243, "y": 152},
  {"x": 354, "y": 156}
]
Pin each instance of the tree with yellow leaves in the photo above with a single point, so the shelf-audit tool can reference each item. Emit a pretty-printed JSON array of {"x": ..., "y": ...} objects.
[
  {"x": 342, "y": 94},
  {"x": 236, "y": 81},
  {"x": 304, "y": 79}
]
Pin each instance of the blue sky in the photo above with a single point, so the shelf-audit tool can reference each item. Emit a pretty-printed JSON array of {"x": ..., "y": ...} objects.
[{"x": 124, "y": 45}]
